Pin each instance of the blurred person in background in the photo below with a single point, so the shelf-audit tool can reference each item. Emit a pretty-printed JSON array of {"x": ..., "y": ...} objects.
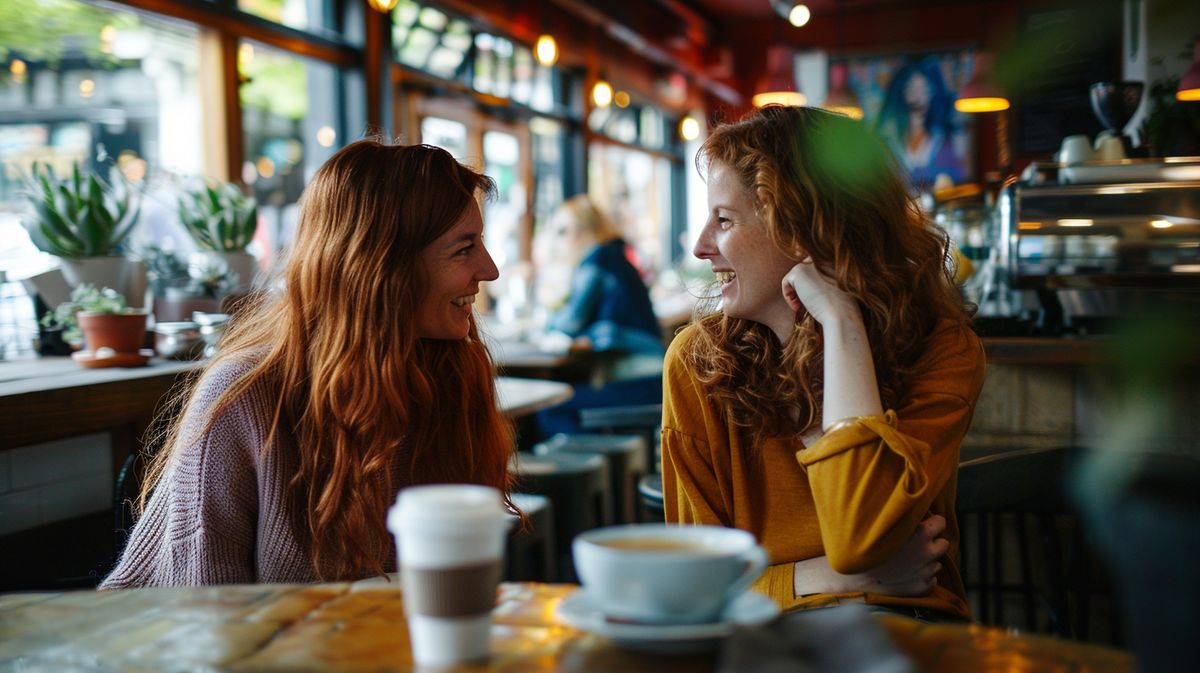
[
  {"x": 607, "y": 311},
  {"x": 363, "y": 375},
  {"x": 822, "y": 406}
]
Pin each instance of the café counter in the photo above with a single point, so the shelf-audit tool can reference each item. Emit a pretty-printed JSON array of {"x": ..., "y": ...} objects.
[{"x": 361, "y": 627}]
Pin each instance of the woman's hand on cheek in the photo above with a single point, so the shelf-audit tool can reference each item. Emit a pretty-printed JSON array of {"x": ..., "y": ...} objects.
[{"x": 804, "y": 287}]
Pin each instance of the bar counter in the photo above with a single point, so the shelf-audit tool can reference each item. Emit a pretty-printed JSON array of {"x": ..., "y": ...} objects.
[{"x": 338, "y": 628}]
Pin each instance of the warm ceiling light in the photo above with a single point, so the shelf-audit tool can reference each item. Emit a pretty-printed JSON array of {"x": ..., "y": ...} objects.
[
  {"x": 384, "y": 6},
  {"x": 1189, "y": 84},
  {"x": 778, "y": 84},
  {"x": 799, "y": 15},
  {"x": 621, "y": 98},
  {"x": 980, "y": 93},
  {"x": 602, "y": 93},
  {"x": 326, "y": 136},
  {"x": 546, "y": 50},
  {"x": 689, "y": 128},
  {"x": 1075, "y": 222},
  {"x": 789, "y": 98},
  {"x": 796, "y": 13},
  {"x": 87, "y": 87},
  {"x": 1162, "y": 224},
  {"x": 841, "y": 99}
]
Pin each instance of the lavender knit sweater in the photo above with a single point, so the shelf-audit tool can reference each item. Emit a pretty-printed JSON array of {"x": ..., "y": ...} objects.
[{"x": 218, "y": 514}]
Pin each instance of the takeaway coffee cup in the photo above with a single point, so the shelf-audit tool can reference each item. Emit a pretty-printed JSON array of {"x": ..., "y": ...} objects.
[
  {"x": 664, "y": 573},
  {"x": 450, "y": 548}
]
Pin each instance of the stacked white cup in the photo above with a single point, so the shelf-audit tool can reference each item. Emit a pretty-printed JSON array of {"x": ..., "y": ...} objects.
[{"x": 450, "y": 549}]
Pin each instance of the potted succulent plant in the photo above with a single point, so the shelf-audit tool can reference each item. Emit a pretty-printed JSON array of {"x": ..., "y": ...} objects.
[
  {"x": 84, "y": 221},
  {"x": 104, "y": 319},
  {"x": 222, "y": 220}
]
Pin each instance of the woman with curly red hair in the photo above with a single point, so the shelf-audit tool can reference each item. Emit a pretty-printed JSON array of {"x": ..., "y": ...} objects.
[
  {"x": 822, "y": 406},
  {"x": 365, "y": 373}
]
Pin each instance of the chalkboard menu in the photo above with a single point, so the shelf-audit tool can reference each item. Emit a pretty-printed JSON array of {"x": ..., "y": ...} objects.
[{"x": 1059, "y": 53}]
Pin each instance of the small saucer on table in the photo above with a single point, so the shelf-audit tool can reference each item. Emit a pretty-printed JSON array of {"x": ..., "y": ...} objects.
[
  {"x": 89, "y": 360},
  {"x": 583, "y": 612}
]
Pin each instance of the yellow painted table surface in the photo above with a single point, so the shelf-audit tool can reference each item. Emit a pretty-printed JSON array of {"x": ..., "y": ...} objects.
[{"x": 361, "y": 627}]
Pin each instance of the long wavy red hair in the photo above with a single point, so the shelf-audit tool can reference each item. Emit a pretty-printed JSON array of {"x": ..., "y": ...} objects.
[
  {"x": 824, "y": 186},
  {"x": 362, "y": 399}
]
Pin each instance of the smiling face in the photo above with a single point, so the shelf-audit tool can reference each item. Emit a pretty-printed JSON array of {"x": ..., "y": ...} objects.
[
  {"x": 748, "y": 266},
  {"x": 456, "y": 262}
]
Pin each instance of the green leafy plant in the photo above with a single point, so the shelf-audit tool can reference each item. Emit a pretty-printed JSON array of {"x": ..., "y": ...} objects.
[
  {"x": 84, "y": 297},
  {"x": 1172, "y": 127},
  {"x": 78, "y": 216},
  {"x": 219, "y": 217},
  {"x": 164, "y": 269}
]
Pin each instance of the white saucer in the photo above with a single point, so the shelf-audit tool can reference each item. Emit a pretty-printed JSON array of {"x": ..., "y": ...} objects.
[{"x": 749, "y": 609}]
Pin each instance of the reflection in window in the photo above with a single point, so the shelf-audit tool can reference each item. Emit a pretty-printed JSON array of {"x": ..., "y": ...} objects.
[
  {"x": 635, "y": 125},
  {"x": 428, "y": 39},
  {"x": 299, "y": 14},
  {"x": 446, "y": 134},
  {"x": 634, "y": 189},
  {"x": 289, "y": 120}
]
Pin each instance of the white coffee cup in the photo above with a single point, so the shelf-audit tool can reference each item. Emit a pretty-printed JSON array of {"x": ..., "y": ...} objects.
[
  {"x": 666, "y": 573},
  {"x": 450, "y": 549},
  {"x": 1075, "y": 149},
  {"x": 1110, "y": 148}
]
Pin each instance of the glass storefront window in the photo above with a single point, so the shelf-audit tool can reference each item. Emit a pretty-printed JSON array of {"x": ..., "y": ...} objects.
[
  {"x": 634, "y": 189},
  {"x": 308, "y": 15},
  {"x": 113, "y": 91},
  {"x": 291, "y": 126},
  {"x": 446, "y": 134},
  {"x": 430, "y": 40}
]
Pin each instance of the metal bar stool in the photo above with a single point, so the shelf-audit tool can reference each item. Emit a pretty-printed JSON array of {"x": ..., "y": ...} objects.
[
  {"x": 577, "y": 486},
  {"x": 625, "y": 455},
  {"x": 643, "y": 419},
  {"x": 529, "y": 554}
]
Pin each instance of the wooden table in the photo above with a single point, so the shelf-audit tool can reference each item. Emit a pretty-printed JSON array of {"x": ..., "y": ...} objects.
[{"x": 361, "y": 627}]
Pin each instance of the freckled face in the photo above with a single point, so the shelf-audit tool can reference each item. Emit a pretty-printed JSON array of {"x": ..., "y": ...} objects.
[
  {"x": 749, "y": 267},
  {"x": 456, "y": 263}
]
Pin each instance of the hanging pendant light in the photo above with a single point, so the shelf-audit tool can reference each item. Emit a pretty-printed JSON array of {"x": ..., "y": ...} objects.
[
  {"x": 602, "y": 93},
  {"x": 778, "y": 84},
  {"x": 545, "y": 50},
  {"x": 384, "y": 6},
  {"x": 840, "y": 98},
  {"x": 1189, "y": 84},
  {"x": 981, "y": 93}
]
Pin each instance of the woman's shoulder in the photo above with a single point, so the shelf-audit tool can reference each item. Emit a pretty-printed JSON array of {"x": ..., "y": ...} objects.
[
  {"x": 954, "y": 359},
  {"x": 685, "y": 342}
]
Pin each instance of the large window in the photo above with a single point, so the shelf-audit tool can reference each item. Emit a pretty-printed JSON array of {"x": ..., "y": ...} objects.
[
  {"x": 291, "y": 126},
  {"x": 634, "y": 189}
]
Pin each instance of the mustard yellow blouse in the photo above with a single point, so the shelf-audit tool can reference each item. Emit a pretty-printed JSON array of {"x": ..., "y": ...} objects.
[{"x": 855, "y": 495}]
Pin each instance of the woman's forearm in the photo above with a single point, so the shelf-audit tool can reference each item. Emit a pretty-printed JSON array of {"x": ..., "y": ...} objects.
[{"x": 850, "y": 385}]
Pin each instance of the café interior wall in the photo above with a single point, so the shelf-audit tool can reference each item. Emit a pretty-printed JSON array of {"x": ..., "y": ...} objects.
[{"x": 1155, "y": 29}]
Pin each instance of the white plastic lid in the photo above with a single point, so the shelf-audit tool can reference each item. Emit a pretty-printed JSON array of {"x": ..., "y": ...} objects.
[{"x": 441, "y": 505}]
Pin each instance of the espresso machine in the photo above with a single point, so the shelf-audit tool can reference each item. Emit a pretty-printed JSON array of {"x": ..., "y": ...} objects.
[{"x": 1096, "y": 240}]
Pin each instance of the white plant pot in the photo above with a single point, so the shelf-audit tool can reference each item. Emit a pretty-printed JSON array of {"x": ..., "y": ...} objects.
[
  {"x": 99, "y": 271},
  {"x": 243, "y": 264},
  {"x": 120, "y": 273}
]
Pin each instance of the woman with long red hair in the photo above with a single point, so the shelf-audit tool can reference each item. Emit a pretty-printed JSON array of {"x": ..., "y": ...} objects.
[
  {"x": 822, "y": 406},
  {"x": 365, "y": 373}
]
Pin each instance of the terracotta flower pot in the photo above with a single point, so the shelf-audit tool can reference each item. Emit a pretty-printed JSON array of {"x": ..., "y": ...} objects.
[{"x": 122, "y": 332}]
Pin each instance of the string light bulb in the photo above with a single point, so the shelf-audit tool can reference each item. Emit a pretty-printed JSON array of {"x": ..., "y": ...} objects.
[
  {"x": 384, "y": 6},
  {"x": 689, "y": 128},
  {"x": 545, "y": 50},
  {"x": 602, "y": 93}
]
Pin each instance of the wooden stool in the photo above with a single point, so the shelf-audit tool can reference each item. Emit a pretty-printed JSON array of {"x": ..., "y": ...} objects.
[
  {"x": 625, "y": 455},
  {"x": 529, "y": 555},
  {"x": 577, "y": 486}
]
